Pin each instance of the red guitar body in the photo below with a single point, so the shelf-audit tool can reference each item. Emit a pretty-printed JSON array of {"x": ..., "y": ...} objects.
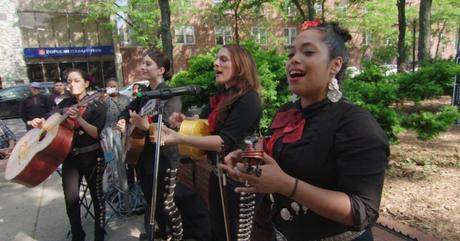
[{"x": 40, "y": 152}]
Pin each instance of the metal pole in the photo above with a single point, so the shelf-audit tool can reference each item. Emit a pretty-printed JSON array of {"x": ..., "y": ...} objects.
[{"x": 156, "y": 165}]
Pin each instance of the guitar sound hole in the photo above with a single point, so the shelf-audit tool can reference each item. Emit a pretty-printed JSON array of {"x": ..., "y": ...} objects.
[{"x": 42, "y": 135}]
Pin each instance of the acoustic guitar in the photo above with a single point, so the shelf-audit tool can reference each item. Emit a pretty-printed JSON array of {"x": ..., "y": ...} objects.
[
  {"x": 135, "y": 138},
  {"x": 196, "y": 127},
  {"x": 40, "y": 151}
]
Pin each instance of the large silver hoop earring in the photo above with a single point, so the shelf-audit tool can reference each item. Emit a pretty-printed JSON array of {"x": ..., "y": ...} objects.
[{"x": 334, "y": 94}]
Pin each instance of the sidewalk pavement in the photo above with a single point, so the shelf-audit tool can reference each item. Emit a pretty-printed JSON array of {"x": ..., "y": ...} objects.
[{"x": 38, "y": 214}]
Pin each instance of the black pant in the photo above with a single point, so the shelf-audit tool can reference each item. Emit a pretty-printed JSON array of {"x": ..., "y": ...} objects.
[
  {"x": 162, "y": 218},
  {"x": 195, "y": 214},
  {"x": 73, "y": 170},
  {"x": 215, "y": 206}
]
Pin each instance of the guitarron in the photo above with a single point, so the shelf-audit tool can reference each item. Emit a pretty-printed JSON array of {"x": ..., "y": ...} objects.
[{"x": 40, "y": 151}]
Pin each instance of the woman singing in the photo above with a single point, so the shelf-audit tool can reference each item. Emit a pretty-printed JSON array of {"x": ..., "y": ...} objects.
[
  {"x": 326, "y": 157},
  {"x": 235, "y": 114}
]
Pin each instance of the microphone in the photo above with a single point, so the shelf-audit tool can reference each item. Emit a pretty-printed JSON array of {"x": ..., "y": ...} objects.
[{"x": 168, "y": 93}]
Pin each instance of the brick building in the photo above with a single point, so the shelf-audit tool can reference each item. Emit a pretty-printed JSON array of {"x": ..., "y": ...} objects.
[{"x": 41, "y": 38}]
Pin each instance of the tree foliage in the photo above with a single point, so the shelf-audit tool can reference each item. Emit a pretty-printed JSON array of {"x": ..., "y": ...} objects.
[
  {"x": 382, "y": 95},
  {"x": 445, "y": 19},
  {"x": 270, "y": 67},
  {"x": 141, "y": 17},
  {"x": 235, "y": 11}
]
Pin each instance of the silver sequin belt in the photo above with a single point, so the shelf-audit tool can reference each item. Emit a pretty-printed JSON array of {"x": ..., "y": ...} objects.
[{"x": 345, "y": 236}]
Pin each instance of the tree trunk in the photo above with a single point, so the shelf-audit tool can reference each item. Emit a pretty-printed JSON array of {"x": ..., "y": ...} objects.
[
  {"x": 299, "y": 8},
  {"x": 237, "y": 34},
  {"x": 402, "y": 34},
  {"x": 441, "y": 31},
  {"x": 165, "y": 30},
  {"x": 322, "y": 10},
  {"x": 414, "y": 28},
  {"x": 424, "y": 30},
  {"x": 311, "y": 9}
]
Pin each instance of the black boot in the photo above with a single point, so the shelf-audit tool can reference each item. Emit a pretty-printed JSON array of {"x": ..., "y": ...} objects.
[
  {"x": 99, "y": 235},
  {"x": 80, "y": 236},
  {"x": 143, "y": 237}
]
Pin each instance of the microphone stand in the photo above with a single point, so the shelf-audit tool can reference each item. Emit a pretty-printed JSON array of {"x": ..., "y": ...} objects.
[{"x": 156, "y": 165}]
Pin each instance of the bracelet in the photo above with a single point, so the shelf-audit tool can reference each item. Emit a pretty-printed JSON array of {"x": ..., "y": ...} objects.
[{"x": 294, "y": 189}]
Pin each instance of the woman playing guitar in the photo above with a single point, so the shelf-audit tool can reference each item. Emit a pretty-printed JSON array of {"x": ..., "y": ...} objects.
[
  {"x": 85, "y": 156},
  {"x": 234, "y": 114},
  {"x": 155, "y": 68}
]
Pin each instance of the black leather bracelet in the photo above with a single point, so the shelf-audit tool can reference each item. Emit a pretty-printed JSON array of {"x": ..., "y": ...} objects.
[{"x": 294, "y": 190}]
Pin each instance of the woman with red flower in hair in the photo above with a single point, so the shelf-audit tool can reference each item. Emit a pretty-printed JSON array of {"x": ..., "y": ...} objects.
[{"x": 326, "y": 157}]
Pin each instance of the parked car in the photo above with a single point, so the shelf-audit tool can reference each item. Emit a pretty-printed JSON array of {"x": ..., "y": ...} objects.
[
  {"x": 389, "y": 69},
  {"x": 11, "y": 97},
  {"x": 128, "y": 90},
  {"x": 353, "y": 71}
]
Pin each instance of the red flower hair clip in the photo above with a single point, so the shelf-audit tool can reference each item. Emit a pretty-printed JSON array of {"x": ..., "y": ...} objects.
[{"x": 310, "y": 24}]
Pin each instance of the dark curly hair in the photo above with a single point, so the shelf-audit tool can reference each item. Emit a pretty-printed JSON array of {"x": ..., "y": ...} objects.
[{"x": 335, "y": 37}]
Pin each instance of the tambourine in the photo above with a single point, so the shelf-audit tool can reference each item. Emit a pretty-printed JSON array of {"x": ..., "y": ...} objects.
[{"x": 253, "y": 155}]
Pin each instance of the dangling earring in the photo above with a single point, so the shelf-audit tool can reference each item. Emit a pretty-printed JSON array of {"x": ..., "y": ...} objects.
[{"x": 334, "y": 93}]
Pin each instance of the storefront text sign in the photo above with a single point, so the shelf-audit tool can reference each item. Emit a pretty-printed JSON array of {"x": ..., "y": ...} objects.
[{"x": 69, "y": 51}]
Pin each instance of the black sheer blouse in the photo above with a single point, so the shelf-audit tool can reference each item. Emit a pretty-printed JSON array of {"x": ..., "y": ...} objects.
[
  {"x": 94, "y": 114},
  {"x": 341, "y": 148},
  {"x": 242, "y": 119}
]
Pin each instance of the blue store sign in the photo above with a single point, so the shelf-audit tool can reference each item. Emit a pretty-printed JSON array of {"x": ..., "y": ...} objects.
[{"x": 67, "y": 52}]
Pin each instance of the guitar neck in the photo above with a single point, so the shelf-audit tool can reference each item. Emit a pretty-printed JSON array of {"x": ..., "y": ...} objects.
[{"x": 51, "y": 122}]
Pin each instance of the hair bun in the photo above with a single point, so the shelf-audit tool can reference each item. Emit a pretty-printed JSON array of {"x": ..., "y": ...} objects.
[
  {"x": 342, "y": 32},
  {"x": 167, "y": 75}
]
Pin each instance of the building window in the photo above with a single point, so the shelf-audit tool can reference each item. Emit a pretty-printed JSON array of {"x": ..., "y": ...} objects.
[
  {"x": 291, "y": 10},
  {"x": 185, "y": 35},
  {"x": 259, "y": 34},
  {"x": 289, "y": 36},
  {"x": 224, "y": 35}
]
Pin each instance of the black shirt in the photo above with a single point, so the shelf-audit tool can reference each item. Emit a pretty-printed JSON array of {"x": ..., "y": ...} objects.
[
  {"x": 35, "y": 107},
  {"x": 169, "y": 153},
  {"x": 342, "y": 148},
  {"x": 242, "y": 120},
  {"x": 94, "y": 114}
]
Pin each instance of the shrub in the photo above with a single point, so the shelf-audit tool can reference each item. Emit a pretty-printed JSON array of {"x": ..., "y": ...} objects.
[
  {"x": 270, "y": 67},
  {"x": 371, "y": 89},
  {"x": 429, "y": 81},
  {"x": 428, "y": 125},
  {"x": 378, "y": 94}
]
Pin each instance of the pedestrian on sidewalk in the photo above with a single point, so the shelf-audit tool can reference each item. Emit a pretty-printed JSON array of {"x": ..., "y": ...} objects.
[
  {"x": 7, "y": 140},
  {"x": 85, "y": 158},
  {"x": 35, "y": 106}
]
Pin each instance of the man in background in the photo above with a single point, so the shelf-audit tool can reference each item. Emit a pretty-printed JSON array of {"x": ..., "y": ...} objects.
[
  {"x": 59, "y": 93},
  {"x": 7, "y": 140},
  {"x": 35, "y": 106}
]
